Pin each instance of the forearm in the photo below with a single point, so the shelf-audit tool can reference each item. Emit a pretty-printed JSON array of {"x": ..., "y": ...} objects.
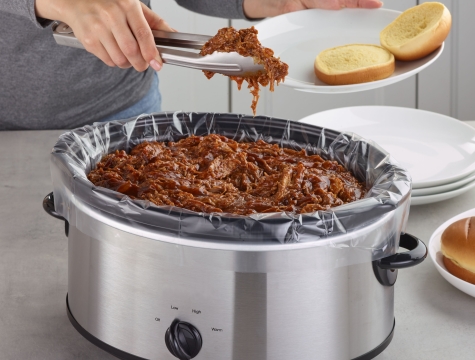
[
  {"x": 230, "y": 9},
  {"x": 50, "y": 9},
  {"x": 266, "y": 8}
]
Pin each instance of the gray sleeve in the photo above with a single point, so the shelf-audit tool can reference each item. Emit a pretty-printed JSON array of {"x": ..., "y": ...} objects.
[
  {"x": 24, "y": 8},
  {"x": 229, "y": 9}
]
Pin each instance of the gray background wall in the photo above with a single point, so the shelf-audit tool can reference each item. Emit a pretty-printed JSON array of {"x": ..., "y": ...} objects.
[{"x": 446, "y": 87}]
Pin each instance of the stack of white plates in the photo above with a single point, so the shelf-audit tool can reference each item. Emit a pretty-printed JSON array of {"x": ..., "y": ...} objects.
[{"x": 438, "y": 151}]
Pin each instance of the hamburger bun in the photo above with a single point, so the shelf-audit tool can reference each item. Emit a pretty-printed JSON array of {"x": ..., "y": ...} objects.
[
  {"x": 457, "y": 245},
  {"x": 354, "y": 64},
  {"x": 418, "y": 31}
]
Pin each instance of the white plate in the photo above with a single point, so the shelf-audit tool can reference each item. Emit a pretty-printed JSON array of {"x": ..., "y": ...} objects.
[
  {"x": 444, "y": 188},
  {"x": 436, "y": 149},
  {"x": 436, "y": 256},
  {"x": 429, "y": 199},
  {"x": 298, "y": 37}
]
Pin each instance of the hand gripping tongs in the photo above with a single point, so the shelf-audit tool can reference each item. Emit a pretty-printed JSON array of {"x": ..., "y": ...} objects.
[{"x": 231, "y": 64}]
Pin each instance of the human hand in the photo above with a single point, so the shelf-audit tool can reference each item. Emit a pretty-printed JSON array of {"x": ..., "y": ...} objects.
[
  {"x": 265, "y": 8},
  {"x": 117, "y": 31}
]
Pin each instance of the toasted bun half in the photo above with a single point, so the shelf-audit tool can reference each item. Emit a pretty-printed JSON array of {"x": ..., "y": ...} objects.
[
  {"x": 457, "y": 244},
  {"x": 418, "y": 31},
  {"x": 354, "y": 64},
  {"x": 458, "y": 271}
]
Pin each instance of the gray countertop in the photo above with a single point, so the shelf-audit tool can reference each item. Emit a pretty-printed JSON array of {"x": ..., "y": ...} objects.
[{"x": 433, "y": 319}]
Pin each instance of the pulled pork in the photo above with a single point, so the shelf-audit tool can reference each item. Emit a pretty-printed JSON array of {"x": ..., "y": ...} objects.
[
  {"x": 215, "y": 174},
  {"x": 245, "y": 43}
]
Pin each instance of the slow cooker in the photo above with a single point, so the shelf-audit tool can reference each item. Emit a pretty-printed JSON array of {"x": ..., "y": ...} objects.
[{"x": 151, "y": 282}]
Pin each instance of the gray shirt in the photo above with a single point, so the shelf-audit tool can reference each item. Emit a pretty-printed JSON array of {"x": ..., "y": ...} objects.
[{"x": 47, "y": 86}]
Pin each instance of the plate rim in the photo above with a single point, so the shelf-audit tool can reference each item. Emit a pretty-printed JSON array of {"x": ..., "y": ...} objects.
[
  {"x": 422, "y": 184},
  {"x": 333, "y": 89},
  {"x": 343, "y": 10},
  {"x": 466, "y": 180},
  {"x": 445, "y": 195},
  {"x": 435, "y": 239}
]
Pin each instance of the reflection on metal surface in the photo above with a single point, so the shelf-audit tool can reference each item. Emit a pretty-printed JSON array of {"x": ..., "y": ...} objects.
[{"x": 119, "y": 286}]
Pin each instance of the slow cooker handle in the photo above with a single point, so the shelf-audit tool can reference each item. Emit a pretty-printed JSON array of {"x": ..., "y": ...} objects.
[
  {"x": 416, "y": 254},
  {"x": 48, "y": 206}
]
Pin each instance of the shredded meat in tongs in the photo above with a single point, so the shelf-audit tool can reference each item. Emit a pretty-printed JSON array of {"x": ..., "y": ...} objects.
[{"x": 245, "y": 43}]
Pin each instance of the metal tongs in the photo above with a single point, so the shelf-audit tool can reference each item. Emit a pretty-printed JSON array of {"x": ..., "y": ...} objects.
[{"x": 231, "y": 64}]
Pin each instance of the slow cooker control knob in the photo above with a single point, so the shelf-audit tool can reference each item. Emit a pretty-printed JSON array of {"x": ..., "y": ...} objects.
[{"x": 183, "y": 340}]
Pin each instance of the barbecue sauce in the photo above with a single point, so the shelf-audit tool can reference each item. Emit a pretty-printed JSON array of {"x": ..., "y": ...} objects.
[{"x": 214, "y": 174}]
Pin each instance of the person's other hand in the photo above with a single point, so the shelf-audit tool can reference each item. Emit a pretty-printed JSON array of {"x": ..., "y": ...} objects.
[
  {"x": 117, "y": 31},
  {"x": 265, "y": 8}
]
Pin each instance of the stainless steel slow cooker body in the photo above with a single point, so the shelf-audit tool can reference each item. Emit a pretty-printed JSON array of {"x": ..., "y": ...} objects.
[{"x": 165, "y": 297}]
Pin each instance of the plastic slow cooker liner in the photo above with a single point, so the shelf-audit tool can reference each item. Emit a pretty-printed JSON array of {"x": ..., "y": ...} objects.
[{"x": 387, "y": 201}]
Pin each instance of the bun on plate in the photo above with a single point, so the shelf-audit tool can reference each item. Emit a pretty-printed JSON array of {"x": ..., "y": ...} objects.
[
  {"x": 458, "y": 249},
  {"x": 418, "y": 31},
  {"x": 354, "y": 64}
]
